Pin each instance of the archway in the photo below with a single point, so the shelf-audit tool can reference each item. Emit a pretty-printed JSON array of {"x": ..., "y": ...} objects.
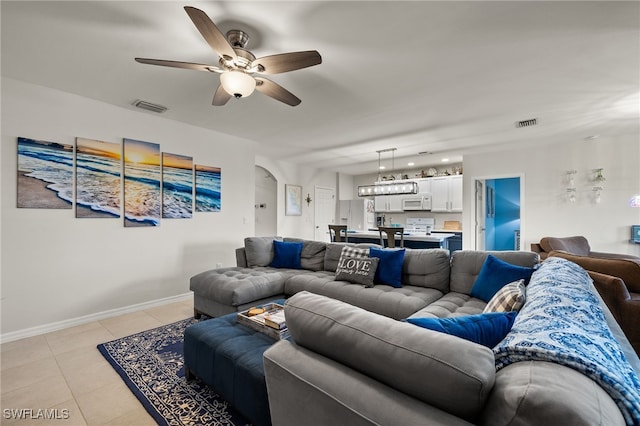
[{"x": 266, "y": 198}]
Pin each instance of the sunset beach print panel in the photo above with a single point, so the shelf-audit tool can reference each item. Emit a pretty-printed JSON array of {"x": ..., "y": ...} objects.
[
  {"x": 208, "y": 184},
  {"x": 98, "y": 178},
  {"x": 45, "y": 174},
  {"x": 142, "y": 201},
  {"x": 177, "y": 186}
]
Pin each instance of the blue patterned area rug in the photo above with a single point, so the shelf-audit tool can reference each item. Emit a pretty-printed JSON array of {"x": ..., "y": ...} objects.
[{"x": 151, "y": 363}]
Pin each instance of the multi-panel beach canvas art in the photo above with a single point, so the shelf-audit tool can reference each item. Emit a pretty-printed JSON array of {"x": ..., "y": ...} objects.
[
  {"x": 142, "y": 200},
  {"x": 177, "y": 186},
  {"x": 155, "y": 184},
  {"x": 98, "y": 178},
  {"x": 208, "y": 184},
  {"x": 45, "y": 174}
]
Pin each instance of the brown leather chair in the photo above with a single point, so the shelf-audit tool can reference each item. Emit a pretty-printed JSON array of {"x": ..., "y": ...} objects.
[
  {"x": 618, "y": 282},
  {"x": 338, "y": 233},
  {"x": 577, "y": 245},
  {"x": 390, "y": 234}
]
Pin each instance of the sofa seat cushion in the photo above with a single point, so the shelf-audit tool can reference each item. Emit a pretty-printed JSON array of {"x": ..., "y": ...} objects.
[
  {"x": 236, "y": 286},
  {"x": 451, "y": 305},
  {"x": 397, "y": 303}
]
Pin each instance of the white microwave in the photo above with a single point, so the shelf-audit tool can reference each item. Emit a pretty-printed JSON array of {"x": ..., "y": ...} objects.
[{"x": 418, "y": 202}]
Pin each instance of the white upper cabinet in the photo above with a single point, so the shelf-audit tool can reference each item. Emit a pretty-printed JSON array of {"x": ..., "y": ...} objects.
[
  {"x": 388, "y": 203},
  {"x": 446, "y": 194}
]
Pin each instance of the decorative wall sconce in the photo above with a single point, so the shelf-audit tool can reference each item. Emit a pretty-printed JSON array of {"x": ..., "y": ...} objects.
[
  {"x": 598, "y": 176},
  {"x": 597, "y": 190},
  {"x": 308, "y": 199},
  {"x": 571, "y": 185}
]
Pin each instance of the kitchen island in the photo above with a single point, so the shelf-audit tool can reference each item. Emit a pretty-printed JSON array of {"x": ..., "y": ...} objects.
[{"x": 411, "y": 239}]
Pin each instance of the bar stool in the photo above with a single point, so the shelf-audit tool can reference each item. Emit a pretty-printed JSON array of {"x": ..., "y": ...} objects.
[
  {"x": 391, "y": 235},
  {"x": 336, "y": 233}
]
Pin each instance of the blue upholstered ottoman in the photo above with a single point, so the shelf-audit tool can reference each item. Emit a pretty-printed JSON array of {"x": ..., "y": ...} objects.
[{"x": 228, "y": 357}]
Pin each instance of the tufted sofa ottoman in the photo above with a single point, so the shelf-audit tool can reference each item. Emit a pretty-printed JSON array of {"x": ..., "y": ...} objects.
[
  {"x": 228, "y": 290},
  {"x": 228, "y": 357}
]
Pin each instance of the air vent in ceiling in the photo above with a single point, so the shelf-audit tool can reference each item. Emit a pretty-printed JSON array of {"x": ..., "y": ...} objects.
[
  {"x": 149, "y": 106},
  {"x": 527, "y": 123}
]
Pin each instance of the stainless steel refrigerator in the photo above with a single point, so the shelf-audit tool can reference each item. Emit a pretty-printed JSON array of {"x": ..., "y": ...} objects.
[{"x": 357, "y": 214}]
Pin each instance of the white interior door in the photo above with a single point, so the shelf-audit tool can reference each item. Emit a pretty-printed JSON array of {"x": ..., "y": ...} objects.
[
  {"x": 480, "y": 215},
  {"x": 325, "y": 211}
]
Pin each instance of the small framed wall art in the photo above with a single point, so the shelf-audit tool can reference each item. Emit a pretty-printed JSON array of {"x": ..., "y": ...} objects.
[{"x": 293, "y": 200}]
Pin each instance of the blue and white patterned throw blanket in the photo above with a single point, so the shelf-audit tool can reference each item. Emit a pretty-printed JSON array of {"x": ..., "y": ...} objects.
[{"x": 562, "y": 322}]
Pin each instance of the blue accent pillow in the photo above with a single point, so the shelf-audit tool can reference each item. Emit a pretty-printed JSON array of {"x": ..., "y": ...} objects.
[
  {"x": 286, "y": 254},
  {"x": 495, "y": 274},
  {"x": 389, "y": 270},
  {"x": 485, "y": 329}
]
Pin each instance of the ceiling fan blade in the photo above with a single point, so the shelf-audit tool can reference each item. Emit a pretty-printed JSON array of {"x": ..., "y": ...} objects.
[
  {"x": 177, "y": 64},
  {"x": 284, "y": 62},
  {"x": 274, "y": 90},
  {"x": 221, "y": 97},
  {"x": 210, "y": 32}
]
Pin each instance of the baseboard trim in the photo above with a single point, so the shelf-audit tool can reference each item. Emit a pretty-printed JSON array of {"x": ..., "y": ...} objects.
[{"x": 55, "y": 326}]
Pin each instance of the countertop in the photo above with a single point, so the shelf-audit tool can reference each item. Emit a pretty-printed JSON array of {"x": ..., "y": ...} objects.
[{"x": 408, "y": 236}]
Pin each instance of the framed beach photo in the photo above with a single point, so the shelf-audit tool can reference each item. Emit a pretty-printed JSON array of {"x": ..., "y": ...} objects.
[
  {"x": 142, "y": 180},
  {"x": 293, "y": 200},
  {"x": 45, "y": 174},
  {"x": 208, "y": 188},
  {"x": 98, "y": 178}
]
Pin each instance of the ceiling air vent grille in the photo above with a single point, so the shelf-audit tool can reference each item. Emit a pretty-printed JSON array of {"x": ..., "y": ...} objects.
[
  {"x": 527, "y": 123},
  {"x": 149, "y": 106}
]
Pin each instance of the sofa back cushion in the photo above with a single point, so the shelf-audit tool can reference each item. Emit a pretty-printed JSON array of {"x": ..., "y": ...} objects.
[
  {"x": 442, "y": 370},
  {"x": 576, "y": 245},
  {"x": 313, "y": 252},
  {"x": 426, "y": 268},
  {"x": 467, "y": 264},
  {"x": 259, "y": 250}
]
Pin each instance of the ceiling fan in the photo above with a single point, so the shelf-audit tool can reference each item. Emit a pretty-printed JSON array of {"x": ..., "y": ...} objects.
[{"x": 237, "y": 65}]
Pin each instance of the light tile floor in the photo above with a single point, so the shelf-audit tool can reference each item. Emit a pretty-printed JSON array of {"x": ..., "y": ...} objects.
[{"x": 63, "y": 372}]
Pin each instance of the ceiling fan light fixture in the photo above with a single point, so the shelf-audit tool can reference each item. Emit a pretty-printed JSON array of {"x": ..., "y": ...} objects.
[{"x": 238, "y": 83}]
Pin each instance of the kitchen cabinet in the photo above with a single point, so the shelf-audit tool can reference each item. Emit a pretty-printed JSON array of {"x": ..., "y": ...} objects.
[
  {"x": 388, "y": 203},
  {"x": 446, "y": 194}
]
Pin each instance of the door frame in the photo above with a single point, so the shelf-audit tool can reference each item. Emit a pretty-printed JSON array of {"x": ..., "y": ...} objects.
[
  {"x": 480, "y": 213},
  {"x": 474, "y": 224}
]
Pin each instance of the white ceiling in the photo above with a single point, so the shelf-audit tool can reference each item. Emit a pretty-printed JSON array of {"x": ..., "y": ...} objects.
[{"x": 449, "y": 78}]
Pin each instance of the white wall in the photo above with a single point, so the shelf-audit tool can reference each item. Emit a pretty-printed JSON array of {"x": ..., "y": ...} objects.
[
  {"x": 545, "y": 210},
  {"x": 288, "y": 173},
  {"x": 56, "y": 267}
]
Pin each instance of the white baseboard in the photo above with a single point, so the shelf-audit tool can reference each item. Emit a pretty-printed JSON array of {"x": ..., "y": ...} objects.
[{"x": 55, "y": 326}]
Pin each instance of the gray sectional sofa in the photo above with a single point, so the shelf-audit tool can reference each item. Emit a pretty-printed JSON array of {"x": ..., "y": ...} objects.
[
  {"x": 354, "y": 361},
  {"x": 432, "y": 282}
]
